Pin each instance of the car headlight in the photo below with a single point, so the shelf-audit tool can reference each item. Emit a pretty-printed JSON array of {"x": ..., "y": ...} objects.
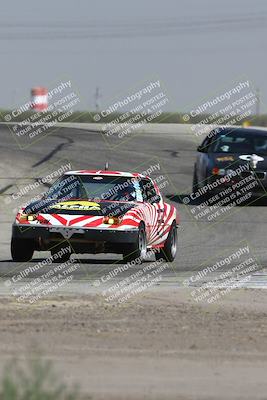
[
  {"x": 218, "y": 171},
  {"x": 28, "y": 217},
  {"x": 222, "y": 171},
  {"x": 112, "y": 220},
  {"x": 32, "y": 217}
]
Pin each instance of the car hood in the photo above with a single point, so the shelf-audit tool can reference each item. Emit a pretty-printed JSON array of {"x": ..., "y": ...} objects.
[{"x": 80, "y": 207}]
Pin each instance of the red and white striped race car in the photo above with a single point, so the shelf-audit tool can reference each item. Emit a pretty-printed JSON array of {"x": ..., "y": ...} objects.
[{"x": 97, "y": 212}]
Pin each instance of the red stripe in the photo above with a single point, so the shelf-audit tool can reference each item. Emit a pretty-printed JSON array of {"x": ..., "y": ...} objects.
[
  {"x": 60, "y": 219},
  {"x": 79, "y": 219},
  {"x": 94, "y": 223},
  {"x": 129, "y": 221}
]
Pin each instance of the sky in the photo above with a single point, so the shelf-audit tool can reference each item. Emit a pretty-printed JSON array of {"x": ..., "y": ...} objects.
[{"x": 194, "y": 47}]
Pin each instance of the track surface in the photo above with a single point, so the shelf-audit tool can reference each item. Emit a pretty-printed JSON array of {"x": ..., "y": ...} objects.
[
  {"x": 161, "y": 344},
  {"x": 175, "y": 150}
]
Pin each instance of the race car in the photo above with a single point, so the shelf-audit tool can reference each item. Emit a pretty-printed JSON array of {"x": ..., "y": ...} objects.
[
  {"x": 97, "y": 212},
  {"x": 228, "y": 155}
]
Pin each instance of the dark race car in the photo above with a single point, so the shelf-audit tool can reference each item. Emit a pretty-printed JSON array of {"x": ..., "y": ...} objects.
[{"x": 229, "y": 155}]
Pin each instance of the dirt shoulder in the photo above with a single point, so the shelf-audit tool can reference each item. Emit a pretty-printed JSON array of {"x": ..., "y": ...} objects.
[{"x": 158, "y": 346}]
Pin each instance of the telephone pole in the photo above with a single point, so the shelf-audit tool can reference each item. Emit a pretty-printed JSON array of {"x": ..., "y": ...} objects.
[
  {"x": 97, "y": 97},
  {"x": 258, "y": 101}
]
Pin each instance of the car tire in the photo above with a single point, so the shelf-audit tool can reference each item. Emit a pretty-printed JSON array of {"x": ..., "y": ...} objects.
[
  {"x": 169, "y": 251},
  {"x": 196, "y": 187},
  {"x": 22, "y": 249},
  {"x": 57, "y": 258},
  {"x": 137, "y": 250}
]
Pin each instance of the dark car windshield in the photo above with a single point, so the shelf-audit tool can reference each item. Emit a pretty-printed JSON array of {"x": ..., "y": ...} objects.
[
  {"x": 96, "y": 187},
  {"x": 240, "y": 144}
]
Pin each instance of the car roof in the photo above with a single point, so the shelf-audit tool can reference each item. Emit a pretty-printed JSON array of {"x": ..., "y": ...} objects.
[
  {"x": 243, "y": 131},
  {"x": 104, "y": 172}
]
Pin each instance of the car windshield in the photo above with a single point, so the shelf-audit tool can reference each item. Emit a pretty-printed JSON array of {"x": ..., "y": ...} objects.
[
  {"x": 240, "y": 144},
  {"x": 96, "y": 187}
]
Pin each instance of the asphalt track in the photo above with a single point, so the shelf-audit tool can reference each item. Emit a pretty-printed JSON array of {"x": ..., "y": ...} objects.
[{"x": 174, "y": 148}]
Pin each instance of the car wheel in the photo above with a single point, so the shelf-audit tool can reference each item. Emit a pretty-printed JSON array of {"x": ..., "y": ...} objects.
[
  {"x": 168, "y": 252},
  {"x": 22, "y": 249},
  {"x": 197, "y": 186},
  {"x": 60, "y": 254},
  {"x": 137, "y": 250}
]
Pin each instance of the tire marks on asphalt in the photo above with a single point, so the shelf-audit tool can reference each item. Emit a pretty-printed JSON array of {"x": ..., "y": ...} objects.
[{"x": 68, "y": 142}]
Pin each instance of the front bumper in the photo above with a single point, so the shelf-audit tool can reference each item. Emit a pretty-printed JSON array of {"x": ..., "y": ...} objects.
[
  {"x": 51, "y": 234},
  {"x": 255, "y": 183}
]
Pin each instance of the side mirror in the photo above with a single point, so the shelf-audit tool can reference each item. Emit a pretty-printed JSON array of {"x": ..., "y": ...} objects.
[{"x": 201, "y": 149}]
